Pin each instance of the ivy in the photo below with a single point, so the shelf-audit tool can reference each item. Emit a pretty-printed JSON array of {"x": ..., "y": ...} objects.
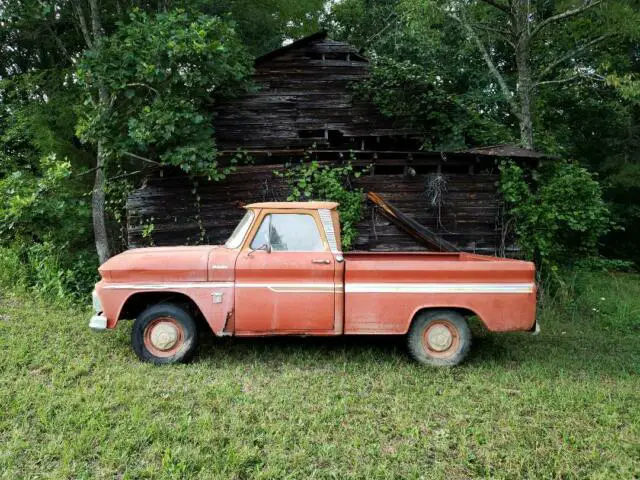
[
  {"x": 314, "y": 181},
  {"x": 559, "y": 215}
]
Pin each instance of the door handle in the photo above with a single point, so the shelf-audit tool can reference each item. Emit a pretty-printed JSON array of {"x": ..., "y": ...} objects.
[{"x": 323, "y": 262}]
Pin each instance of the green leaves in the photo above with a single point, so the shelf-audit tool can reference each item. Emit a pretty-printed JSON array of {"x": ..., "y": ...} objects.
[
  {"x": 30, "y": 205},
  {"x": 427, "y": 102},
  {"x": 309, "y": 180},
  {"x": 163, "y": 73},
  {"x": 559, "y": 216}
]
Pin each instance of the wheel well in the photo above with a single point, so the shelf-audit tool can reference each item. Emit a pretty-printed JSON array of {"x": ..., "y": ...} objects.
[
  {"x": 465, "y": 312},
  {"x": 139, "y": 302}
]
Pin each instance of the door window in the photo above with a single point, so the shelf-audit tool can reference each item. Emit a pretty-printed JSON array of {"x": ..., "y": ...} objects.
[{"x": 289, "y": 232}]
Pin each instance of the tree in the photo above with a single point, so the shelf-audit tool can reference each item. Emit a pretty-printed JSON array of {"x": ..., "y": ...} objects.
[
  {"x": 153, "y": 83},
  {"x": 516, "y": 41},
  {"x": 264, "y": 25},
  {"x": 93, "y": 37},
  {"x": 424, "y": 74}
]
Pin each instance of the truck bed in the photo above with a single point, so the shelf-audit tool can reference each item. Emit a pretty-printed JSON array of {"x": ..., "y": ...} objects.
[{"x": 383, "y": 290}]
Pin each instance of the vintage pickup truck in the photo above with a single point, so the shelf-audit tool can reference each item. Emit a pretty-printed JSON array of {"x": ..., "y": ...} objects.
[{"x": 282, "y": 272}]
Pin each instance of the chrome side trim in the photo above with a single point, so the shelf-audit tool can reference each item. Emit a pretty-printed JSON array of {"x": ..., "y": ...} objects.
[
  {"x": 439, "y": 288},
  {"x": 292, "y": 287},
  {"x": 327, "y": 224},
  {"x": 349, "y": 287},
  {"x": 165, "y": 286}
]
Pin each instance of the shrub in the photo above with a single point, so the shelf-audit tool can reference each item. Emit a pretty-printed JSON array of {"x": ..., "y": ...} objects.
[
  {"x": 45, "y": 239},
  {"x": 558, "y": 216}
]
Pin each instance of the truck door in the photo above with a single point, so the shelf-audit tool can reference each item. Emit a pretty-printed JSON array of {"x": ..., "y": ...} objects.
[{"x": 285, "y": 277}]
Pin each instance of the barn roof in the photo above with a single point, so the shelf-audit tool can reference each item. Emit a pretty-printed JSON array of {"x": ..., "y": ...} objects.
[
  {"x": 321, "y": 35},
  {"x": 303, "y": 42}
]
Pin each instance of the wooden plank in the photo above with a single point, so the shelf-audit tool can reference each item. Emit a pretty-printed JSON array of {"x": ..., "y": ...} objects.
[{"x": 413, "y": 228}]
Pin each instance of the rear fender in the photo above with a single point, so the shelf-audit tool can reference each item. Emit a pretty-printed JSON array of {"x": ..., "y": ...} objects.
[{"x": 498, "y": 312}]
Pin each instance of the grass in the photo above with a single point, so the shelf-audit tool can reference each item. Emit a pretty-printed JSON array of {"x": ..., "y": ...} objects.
[{"x": 564, "y": 404}]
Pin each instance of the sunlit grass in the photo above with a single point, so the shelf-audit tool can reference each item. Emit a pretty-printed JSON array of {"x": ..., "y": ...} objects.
[{"x": 564, "y": 404}]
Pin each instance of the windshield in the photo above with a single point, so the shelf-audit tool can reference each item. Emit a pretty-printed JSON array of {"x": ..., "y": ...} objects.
[{"x": 235, "y": 240}]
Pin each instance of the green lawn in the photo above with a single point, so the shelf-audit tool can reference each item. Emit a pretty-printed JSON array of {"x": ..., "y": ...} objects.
[{"x": 564, "y": 404}]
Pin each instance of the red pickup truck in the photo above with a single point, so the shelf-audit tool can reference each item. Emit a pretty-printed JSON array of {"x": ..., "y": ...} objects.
[{"x": 282, "y": 272}]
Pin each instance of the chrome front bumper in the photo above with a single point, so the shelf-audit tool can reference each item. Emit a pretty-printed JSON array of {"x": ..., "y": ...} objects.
[{"x": 98, "y": 323}]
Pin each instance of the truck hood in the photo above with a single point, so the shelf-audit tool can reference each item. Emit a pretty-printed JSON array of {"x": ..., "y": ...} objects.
[{"x": 158, "y": 264}]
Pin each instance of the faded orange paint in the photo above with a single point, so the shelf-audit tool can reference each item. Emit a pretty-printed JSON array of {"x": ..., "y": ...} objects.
[{"x": 256, "y": 293}]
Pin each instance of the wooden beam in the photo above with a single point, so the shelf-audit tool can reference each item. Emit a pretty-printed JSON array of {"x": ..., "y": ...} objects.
[{"x": 410, "y": 226}]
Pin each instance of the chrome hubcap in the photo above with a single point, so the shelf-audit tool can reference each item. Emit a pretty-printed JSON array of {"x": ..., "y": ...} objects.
[
  {"x": 164, "y": 335},
  {"x": 439, "y": 338}
]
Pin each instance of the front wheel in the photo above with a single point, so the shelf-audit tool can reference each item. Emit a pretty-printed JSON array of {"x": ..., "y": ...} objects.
[
  {"x": 439, "y": 337},
  {"x": 164, "y": 333}
]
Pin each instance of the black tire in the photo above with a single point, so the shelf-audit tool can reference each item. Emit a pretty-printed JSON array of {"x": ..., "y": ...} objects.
[
  {"x": 445, "y": 350},
  {"x": 175, "y": 319}
]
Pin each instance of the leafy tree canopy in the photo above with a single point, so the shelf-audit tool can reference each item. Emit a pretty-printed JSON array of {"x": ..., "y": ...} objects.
[{"x": 163, "y": 73}]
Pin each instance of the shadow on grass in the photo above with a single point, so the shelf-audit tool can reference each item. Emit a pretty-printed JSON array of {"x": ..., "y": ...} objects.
[
  {"x": 566, "y": 354},
  {"x": 304, "y": 350},
  {"x": 587, "y": 352}
]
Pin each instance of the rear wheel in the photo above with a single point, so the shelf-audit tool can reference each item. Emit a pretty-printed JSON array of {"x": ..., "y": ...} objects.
[
  {"x": 439, "y": 337},
  {"x": 164, "y": 333}
]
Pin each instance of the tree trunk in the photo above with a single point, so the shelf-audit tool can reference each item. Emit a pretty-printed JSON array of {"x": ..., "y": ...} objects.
[
  {"x": 98, "y": 210},
  {"x": 98, "y": 195},
  {"x": 525, "y": 90}
]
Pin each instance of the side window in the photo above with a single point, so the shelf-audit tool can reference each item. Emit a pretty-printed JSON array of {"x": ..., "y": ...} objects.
[{"x": 289, "y": 232}]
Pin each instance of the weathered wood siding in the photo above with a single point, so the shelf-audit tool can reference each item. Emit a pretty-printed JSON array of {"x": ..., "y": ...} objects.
[
  {"x": 304, "y": 100},
  {"x": 304, "y": 96},
  {"x": 469, "y": 216}
]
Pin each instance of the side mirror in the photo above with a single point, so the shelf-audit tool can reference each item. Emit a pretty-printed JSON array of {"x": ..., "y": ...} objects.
[{"x": 265, "y": 246}]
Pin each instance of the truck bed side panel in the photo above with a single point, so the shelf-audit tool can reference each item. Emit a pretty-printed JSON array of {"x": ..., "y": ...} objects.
[{"x": 383, "y": 292}]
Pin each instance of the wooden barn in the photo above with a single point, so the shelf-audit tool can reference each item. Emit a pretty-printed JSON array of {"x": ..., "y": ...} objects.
[{"x": 304, "y": 106}]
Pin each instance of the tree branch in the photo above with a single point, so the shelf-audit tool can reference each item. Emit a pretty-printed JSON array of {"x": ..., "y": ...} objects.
[
  {"x": 566, "y": 14},
  {"x": 96, "y": 24},
  {"x": 125, "y": 175},
  {"x": 494, "y": 71},
  {"x": 505, "y": 34},
  {"x": 570, "y": 54},
  {"x": 59, "y": 44},
  {"x": 133, "y": 155},
  {"x": 499, "y": 6},
  {"x": 389, "y": 21},
  {"x": 86, "y": 171},
  {"x": 143, "y": 85},
  {"x": 83, "y": 23},
  {"x": 563, "y": 80}
]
